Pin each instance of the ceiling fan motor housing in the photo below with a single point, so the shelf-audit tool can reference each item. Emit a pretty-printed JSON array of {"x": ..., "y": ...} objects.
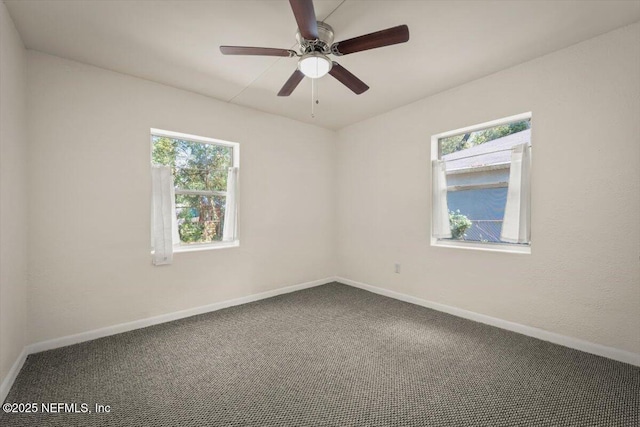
[{"x": 322, "y": 44}]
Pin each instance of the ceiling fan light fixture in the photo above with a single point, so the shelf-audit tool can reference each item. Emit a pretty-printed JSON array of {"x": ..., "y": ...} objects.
[
  {"x": 314, "y": 65},
  {"x": 315, "y": 42}
]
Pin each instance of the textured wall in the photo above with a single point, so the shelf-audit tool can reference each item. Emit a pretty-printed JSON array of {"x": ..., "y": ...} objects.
[
  {"x": 583, "y": 276},
  {"x": 89, "y": 258},
  {"x": 13, "y": 194}
]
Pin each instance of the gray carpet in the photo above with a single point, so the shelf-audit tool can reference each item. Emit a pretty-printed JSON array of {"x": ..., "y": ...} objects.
[{"x": 327, "y": 356}]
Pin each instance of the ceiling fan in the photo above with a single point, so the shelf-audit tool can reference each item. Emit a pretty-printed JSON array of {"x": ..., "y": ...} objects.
[{"x": 315, "y": 39}]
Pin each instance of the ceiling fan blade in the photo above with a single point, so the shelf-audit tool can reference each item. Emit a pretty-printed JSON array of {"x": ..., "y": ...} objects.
[
  {"x": 263, "y": 51},
  {"x": 349, "y": 80},
  {"x": 390, "y": 36},
  {"x": 292, "y": 83},
  {"x": 306, "y": 18}
]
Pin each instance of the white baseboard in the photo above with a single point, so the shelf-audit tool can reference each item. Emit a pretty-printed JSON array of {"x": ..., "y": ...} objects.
[
  {"x": 575, "y": 343},
  {"x": 12, "y": 374},
  {"x": 142, "y": 323},
  {"x": 150, "y": 321}
]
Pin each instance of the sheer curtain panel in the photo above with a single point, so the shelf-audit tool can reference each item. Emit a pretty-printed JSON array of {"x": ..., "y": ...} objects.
[
  {"x": 164, "y": 229},
  {"x": 439, "y": 208},
  {"x": 231, "y": 210},
  {"x": 516, "y": 227}
]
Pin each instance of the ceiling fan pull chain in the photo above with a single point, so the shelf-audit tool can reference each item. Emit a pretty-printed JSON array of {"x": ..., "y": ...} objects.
[{"x": 313, "y": 98}]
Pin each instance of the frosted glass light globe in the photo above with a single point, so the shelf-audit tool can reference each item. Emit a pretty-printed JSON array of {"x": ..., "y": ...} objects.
[{"x": 314, "y": 65}]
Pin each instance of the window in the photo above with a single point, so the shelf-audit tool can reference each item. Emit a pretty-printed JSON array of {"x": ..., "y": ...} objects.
[
  {"x": 481, "y": 189},
  {"x": 204, "y": 175}
]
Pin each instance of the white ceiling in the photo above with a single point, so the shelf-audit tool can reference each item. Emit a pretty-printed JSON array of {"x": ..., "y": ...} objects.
[{"x": 176, "y": 43}]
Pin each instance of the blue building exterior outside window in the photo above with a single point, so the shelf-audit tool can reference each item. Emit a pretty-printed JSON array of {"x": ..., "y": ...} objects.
[{"x": 484, "y": 207}]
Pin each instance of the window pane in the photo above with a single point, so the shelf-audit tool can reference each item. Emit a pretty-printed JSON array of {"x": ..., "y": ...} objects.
[
  {"x": 478, "y": 166},
  {"x": 200, "y": 218},
  {"x": 163, "y": 151},
  {"x": 195, "y": 165},
  {"x": 201, "y": 178},
  {"x": 484, "y": 208},
  {"x": 465, "y": 141}
]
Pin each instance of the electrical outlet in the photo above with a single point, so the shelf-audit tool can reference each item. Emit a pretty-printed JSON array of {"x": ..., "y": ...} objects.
[{"x": 397, "y": 267}]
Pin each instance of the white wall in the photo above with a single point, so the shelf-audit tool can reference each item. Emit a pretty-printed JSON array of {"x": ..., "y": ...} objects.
[
  {"x": 583, "y": 276},
  {"x": 89, "y": 258},
  {"x": 13, "y": 194},
  {"x": 89, "y": 263}
]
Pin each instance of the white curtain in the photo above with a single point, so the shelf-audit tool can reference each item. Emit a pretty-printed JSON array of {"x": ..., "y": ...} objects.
[
  {"x": 164, "y": 226},
  {"x": 516, "y": 227},
  {"x": 439, "y": 208},
  {"x": 231, "y": 207}
]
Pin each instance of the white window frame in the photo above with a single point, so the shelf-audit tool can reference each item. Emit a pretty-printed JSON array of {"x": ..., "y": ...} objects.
[
  {"x": 435, "y": 155},
  {"x": 235, "y": 147}
]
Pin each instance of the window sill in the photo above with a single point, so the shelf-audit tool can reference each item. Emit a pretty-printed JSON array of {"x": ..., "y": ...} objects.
[
  {"x": 494, "y": 247},
  {"x": 206, "y": 247}
]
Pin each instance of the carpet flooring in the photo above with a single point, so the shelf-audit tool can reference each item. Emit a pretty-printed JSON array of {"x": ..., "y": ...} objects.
[{"x": 326, "y": 356}]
